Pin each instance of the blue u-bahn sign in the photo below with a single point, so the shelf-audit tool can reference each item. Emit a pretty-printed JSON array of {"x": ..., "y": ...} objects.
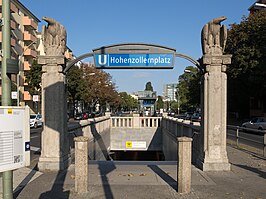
[
  {"x": 134, "y": 60},
  {"x": 128, "y": 56}
]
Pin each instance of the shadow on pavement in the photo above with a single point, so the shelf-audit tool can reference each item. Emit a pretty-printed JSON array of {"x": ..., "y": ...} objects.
[
  {"x": 24, "y": 182},
  {"x": 168, "y": 179},
  {"x": 254, "y": 170},
  {"x": 104, "y": 168},
  {"x": 57, "y": 190}
]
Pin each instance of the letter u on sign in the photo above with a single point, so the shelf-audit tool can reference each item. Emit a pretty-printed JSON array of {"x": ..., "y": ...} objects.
[{"x": 102, "y": 59}]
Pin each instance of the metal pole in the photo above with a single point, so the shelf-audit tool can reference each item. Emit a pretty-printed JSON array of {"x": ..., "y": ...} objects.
[{"x": 6, "y": 87}]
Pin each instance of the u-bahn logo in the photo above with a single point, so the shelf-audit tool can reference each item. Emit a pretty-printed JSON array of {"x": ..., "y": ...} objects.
[
  {"x": 101, "y": 60},
  {"x": 128, "y": 144}
]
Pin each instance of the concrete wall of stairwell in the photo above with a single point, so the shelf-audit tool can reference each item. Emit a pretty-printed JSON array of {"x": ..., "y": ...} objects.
[
  {"x": 98, "y": 132},
  {"x": 151, "y": 136},
  {"x": 173, "y": 128},
  {"x": 144, "y": 133}
]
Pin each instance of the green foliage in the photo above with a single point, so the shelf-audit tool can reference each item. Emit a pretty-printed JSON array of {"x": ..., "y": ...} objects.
[
  {"x": 92, "y": 86},
  {"x": 247, "y": 43},
  {"x": 246, "y": 75},
  {"x": 174, "y": 106},
  {"x": 189, "y": 89},
  {"x": 75, "y": 83},
  {"x": 128, "y": 103},
  {"x": 148, "y": 87},
  {"x": 159, "y": 103},
  {"x": 34, "y": 78}
]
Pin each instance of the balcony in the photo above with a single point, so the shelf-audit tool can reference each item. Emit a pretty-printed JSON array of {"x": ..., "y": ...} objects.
[
  {"x": 29, "y": 37},
  {"x": 13, "y": 25},
  {"x": 30, "y": 52},
  {"x": 28, "y": 22},
  {"x": 27, "y": 96},
  {"x": 26, "y": 65},
  {"x": 13, "y": 41},
  {"x": 13, "y": 8}
]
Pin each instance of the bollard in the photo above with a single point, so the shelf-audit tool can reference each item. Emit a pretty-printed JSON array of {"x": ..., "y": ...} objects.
[
  {"x": 184, "y": 165},
  {"x": 81, "y": 164}
]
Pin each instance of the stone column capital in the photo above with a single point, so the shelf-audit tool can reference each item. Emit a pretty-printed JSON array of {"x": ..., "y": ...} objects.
[
  {"x": 216, "y": 59},
  {"x": 51, "y": 60},
  {"x": 184, "y": 139},
  {"x": 81, "y": 139}
]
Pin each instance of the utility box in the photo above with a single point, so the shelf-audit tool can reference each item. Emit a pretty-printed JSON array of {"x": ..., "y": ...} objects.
[{"x": 14, "y": 137}]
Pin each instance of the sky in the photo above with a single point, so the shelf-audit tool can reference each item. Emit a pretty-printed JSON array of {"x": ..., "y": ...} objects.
[{"x": 176, "y": 24}]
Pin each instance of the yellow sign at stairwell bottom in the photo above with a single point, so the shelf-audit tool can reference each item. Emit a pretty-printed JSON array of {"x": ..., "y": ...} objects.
[{"x": 128, "y": 144}]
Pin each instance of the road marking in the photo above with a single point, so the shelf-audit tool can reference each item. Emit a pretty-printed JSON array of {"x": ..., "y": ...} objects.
[{"x": 33, "y": 148}]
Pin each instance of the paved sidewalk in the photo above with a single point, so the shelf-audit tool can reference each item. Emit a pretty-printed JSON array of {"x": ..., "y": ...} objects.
[{"x": 120, "y": 180}]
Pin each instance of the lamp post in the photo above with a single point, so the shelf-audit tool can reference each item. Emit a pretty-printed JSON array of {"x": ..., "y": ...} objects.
[{"x": 6, "y": 86}]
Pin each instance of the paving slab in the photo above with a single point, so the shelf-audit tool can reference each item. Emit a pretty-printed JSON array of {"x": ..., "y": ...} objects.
[{"x": 247, "y": 179}]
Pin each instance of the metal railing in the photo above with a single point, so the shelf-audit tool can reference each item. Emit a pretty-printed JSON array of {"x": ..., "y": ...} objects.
[{"x": 250, "y": 139}]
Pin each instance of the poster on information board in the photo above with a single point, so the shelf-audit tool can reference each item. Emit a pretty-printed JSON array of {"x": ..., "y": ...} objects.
[{"x": 14, "y": 138}]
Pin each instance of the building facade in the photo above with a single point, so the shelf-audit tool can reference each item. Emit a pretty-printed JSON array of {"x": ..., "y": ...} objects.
[
  {"x": 26, "y": 45},
  {"x": 169, "y": 92},
  {"x": 257, "y": 6},
  {"x": 24, "y": 30}
]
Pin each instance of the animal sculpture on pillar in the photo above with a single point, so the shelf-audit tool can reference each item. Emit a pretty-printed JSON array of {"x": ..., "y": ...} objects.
[
  {"x": 214, "y": 36},
  {"x": 54, "y": 38}
]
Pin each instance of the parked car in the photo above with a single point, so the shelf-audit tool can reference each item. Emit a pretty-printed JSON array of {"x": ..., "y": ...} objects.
[
  {"x": 188, "y": 115},
  {"x": 84, "y": 115},
  {"x": 196, "y": 117},
  {"x": 35, "y": 120},
  {"x": 258, "y": 123}
]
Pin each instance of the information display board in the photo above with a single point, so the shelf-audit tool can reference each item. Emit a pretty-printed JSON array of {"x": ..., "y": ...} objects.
[{"x": 14, "y": 138}]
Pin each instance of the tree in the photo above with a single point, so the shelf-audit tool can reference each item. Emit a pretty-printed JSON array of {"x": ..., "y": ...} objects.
[
  {"x": 98, "y": 87},
  {"x": 34, "y": 78},
  {"x": 148, "y": 87},
  {"x": 75, "y": 84},
  {"x": 127, "y": 102},
  {"x": 174, "y": 106},
  {"x": 159, "y": 103},
  {"x": 189, "y": 89},
  {"x": 246, "y": 75}
]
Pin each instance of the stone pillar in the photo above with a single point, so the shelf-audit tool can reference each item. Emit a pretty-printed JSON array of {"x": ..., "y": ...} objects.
[
  {"x": 81, "y": 164},
  {"x": 184, "y": 165},
  {"x": 55, "y": 144},
  {"x": 213, "y": 155},
  {"x": 108, "y": 114},
  {"x": 136, "y": 120}
]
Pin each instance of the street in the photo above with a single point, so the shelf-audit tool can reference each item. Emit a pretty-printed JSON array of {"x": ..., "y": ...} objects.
[{"x": 35, "y": 142}]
